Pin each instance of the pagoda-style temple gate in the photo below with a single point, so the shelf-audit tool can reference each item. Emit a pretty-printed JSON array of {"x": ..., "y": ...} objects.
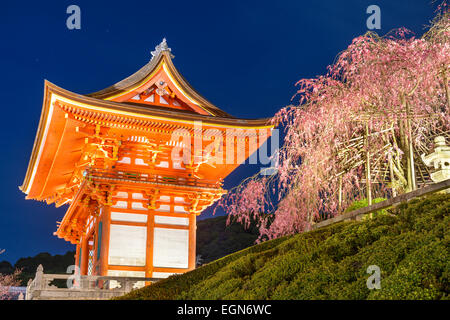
[{"x": 136, "y": 162}]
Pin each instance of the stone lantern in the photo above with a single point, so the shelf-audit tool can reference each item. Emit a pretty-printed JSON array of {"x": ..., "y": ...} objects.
[{"x": 440, "y": 159}]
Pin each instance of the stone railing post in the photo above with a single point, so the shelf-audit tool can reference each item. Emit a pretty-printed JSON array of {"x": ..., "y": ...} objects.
[
  {"x": 128, "y": 285},
  {"x": 38, "y": 280},
  {"x": 84, "y": 283},
  {"x": 29, "y": 292}
]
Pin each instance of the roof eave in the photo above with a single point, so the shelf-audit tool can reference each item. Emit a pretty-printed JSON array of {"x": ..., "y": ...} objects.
[
  {"x": 139, "y": 110},
  {"x": 169, "y": 113},
  {"x": 139, "y": 76},
  {"x": 37, "y": 139}
]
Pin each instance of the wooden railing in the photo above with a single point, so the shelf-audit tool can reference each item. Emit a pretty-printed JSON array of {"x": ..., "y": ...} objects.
[
  {"x": 84, "y": 287},
  {"x": 436, "y": 187},
  {"x": 162, "y": 178}
]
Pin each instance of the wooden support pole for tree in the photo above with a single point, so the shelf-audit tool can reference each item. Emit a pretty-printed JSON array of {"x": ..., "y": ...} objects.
[
  {"x": 391, "y": 174},
  {"x": 447, "y": 93},
  {"x": 368, "y": 182},
  {"x": 410, "y": 149},
  {"x": 406, "y": 142}
]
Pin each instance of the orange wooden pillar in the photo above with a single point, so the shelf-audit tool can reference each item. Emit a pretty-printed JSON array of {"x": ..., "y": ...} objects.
[
  {"x": 84, "y": 256},
  {"x": 149, "y": 248},
  {"x": 77, "y": 255},
  {"x": 104, "y": 247},
  {"x": 192, "y": 241}
]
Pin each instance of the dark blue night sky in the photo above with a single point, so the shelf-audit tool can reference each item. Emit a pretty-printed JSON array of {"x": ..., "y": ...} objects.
[{"x": 244, "y": 56}]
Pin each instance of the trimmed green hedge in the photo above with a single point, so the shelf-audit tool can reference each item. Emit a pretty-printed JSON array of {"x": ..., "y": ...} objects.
[
  {"x": 364, "y": 203},
  {"x": 411, "y": 248}
]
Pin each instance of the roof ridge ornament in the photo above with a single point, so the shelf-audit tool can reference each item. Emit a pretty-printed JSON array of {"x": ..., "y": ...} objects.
[{"x": 160, "y": 48}]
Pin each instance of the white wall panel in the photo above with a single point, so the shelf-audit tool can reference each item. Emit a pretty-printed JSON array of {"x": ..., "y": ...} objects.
[
  {"x": 126, "y": 160},
  {"x": 179, "y": 199},
  {"x": 164, "y": 208},
  {"x": 140, "y": 162},
  {"x": 137, "y": 195},
  {"x": 164, "y": 198},
  {"x": 179, "y": 209},
  {"x": 131, "y": 217},
  {"x": 163, "y": 164},
  {"x": 170, "y": 248},
  {"x": 121, "y": 194},
  {"x": 137, "y": 206},
  {"x": 177, "y": 165},
  {"x": 172, "y": 220},
  {"x": 127, "y": 245},
  {"x": 120, "y": 204}
]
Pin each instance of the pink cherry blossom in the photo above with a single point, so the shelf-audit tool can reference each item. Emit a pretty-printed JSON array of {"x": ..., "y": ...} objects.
[{"x": 374, "y": 86}]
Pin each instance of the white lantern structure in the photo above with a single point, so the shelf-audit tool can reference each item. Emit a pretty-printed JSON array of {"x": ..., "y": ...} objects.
[{"x": 440, "y": 159}]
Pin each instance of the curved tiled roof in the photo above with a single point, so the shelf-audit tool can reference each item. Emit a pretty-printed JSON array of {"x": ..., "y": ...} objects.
[{"x": 141, "y": 75}]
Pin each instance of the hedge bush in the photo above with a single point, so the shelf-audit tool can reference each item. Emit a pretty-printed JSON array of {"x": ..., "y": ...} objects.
[{"x": 411, "y": 248}]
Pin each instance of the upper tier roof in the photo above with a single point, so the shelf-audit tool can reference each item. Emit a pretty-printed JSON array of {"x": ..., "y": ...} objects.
[
  {"x": 160, "y": 80},
  {"x": 156, "y": 100}
]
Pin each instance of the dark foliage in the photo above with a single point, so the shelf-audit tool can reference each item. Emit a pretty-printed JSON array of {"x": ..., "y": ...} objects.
[
  {"x": 6, "y": 267},
  {"x": 215, "y": 239},
  {"x": 52, "y": 264}
]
